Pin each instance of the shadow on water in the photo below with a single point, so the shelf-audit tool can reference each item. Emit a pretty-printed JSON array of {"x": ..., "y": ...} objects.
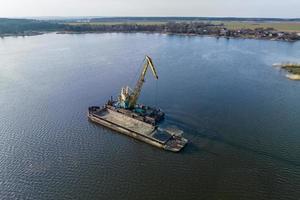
[
  {"x": 216, "y": 138},
  {"x": 192, "y": 148}
]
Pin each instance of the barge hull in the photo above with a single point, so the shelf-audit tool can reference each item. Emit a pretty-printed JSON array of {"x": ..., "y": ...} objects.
[
  {"x": 125, "y": 131},
  {"x": 136, "y": 129}
]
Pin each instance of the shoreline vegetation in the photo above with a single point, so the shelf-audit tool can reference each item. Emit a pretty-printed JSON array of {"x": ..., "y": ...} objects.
[
  {"x": 278, "y": 29},
  {"x": 27, "y": 27},
  {"x": 292, "y": 69}
]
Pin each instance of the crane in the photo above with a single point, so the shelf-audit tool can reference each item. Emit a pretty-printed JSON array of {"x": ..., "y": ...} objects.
[{"x": 128, "y": 97}]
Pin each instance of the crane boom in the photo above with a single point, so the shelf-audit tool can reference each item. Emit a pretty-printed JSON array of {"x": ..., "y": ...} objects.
[
  {"x": 128, "y": 98},
  {"x": 138, "y": 88}
]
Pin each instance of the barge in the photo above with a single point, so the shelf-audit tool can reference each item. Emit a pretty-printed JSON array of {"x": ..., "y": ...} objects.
[
  {"x": 137, "y": 121},
  {"x": 148, "y": 133}
]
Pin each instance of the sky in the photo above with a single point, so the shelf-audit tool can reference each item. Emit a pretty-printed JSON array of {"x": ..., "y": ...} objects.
[{"x": 197, "y": 8}]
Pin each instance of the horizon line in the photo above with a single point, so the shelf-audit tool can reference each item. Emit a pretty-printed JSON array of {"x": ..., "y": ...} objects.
[{"x": 96, "y": 16}]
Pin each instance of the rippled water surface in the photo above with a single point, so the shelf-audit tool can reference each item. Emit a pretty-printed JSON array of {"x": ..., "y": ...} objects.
[{"x": 241, "y": 115}]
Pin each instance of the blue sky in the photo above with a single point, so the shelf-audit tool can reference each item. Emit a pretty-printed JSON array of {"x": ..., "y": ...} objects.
[{"x": 214, "y": 8}]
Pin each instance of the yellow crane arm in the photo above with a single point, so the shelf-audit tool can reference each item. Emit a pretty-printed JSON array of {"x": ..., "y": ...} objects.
[
  {"x": 138, "y": 88},
  {"x": 150, "y": 63}
]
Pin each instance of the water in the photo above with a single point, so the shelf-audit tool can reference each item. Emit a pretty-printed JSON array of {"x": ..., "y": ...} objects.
[{"x": 241, "y": 115}]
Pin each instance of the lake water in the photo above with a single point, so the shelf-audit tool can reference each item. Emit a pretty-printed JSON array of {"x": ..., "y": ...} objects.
[{"x": 240, "y": 114}]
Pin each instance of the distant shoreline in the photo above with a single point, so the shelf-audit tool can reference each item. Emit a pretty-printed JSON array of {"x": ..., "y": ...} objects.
[
  {"x": 284, "y": 31},
  {"x": 178, "y": 34},
  {"x": 21, "y": 34}
]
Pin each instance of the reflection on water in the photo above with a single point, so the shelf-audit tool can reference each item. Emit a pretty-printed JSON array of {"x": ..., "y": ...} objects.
[{"x": 240, "y": 114}]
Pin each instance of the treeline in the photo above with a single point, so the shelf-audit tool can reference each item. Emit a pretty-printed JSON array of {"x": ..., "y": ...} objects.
[
  {"x": 115, "y": 28},
  {"x": 171, "y": 27},
  {"x": 197, "y": 28},
  {"x": 17, "y": 26}
]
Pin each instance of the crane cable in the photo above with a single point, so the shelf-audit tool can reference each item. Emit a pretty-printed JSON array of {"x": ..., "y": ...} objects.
[{"x": 156, "y": 93}]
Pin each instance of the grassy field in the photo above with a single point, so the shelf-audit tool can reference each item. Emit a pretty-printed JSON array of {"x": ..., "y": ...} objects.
[
  {"x": 293, "y": 69},
  {"x": 280, "y": 26}
]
